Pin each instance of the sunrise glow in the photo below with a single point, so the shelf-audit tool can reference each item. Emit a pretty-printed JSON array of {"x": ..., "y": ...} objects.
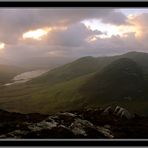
[
  {"x": 36, "y": 34},
  {"x": 109, "y": 30},
  {"x": 2, "y": 46}
]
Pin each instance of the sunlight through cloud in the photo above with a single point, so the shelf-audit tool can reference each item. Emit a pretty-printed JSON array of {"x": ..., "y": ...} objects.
[
  {"x": 2, "y": 46},
  {"x": 36, "y": 34},
  {"x": 111, "y": 30}
]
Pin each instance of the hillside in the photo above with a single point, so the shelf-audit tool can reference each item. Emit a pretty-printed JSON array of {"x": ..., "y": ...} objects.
[
  {"x": 42, "y": 98},
  {"x": 80, "y": 67},
  {"x": 139, "y": 57},
  {"x": 88, "y": 81},
  {"x": 86, "y": 65},
  {"x": 121, "y": 79}
]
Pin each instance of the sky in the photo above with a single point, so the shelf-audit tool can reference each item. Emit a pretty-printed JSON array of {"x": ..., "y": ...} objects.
[{"x": 71, "y": 32}]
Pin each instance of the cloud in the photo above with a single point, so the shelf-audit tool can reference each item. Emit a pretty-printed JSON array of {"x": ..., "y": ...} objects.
[
  {"x": 74, "y": 35},
  {"x": 14, "y": 22},
  {"x": 140, "y": 22},
  {"x": 68, "y": 36},
  {"x": 116, "y": 18}
]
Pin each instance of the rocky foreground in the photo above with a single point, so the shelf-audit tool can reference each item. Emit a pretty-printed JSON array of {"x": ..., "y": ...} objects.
[{"x": 111, "y": 122}]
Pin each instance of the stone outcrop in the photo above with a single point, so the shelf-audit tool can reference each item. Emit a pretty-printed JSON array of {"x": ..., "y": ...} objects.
[
  {"x": 86, "y": 123},
  {"x": 118, "y": 111},
  {"x": 122, "y": 112}
]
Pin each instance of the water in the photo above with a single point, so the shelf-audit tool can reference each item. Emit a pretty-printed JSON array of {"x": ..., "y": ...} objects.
[{"x": 26, "y": 76}]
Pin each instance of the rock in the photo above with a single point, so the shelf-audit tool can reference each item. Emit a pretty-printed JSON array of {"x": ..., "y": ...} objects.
[
  {"x": 117, "y": 111},
  {"x": 122, "y": 112},
  {"x": 107, "y": 126},
  {"x": 17, "y": 134},
  {"x": 42, "y": 125},
  {"x": 67, "y": 114},
  {"x": 79, "y": 131},
  {"x": 79, "y": 125},
  {"x": 106, "y": 132},
  {"x": 92, "y": 123},
  {"x": 64, "y": 118},
  {"x": 107, "y": 111}
]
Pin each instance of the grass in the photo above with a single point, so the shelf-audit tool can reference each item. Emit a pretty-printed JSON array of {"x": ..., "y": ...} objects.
[
  {"x": 59, "y": 90},
  {"x": 42, "y": 98},
  {"x": 27, "y": 98}
]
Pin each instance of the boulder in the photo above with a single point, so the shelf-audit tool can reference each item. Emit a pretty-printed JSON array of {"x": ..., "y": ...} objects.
[
  {"x": 78, "y": 126},
  {"x": 122, "y": 112},
  {"x": 105, "y": 131},
  {"x": 107, "y": 111}
]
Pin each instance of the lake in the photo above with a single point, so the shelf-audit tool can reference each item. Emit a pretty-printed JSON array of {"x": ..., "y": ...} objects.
[{"x": 26, "y": 76}]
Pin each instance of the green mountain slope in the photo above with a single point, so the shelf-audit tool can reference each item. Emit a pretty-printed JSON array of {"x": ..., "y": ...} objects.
[
  {"x": 88, "y": 65},
  {"x": 139, "y": 57},
  {"x": 28, "y": 98},
  {"x": 87, "y": 81},
  {"x": 80, "y": 67},
  {"x": 121, "y": 79}
]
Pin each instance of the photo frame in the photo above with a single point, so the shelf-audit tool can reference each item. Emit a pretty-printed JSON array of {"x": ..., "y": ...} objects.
[{"x": 71, "y": 5}]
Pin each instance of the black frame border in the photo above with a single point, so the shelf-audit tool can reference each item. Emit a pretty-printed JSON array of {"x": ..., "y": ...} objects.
[
  {"x": 97, "y": 4},
  {"x": 73, "y": 3},
  {"x": 74, "y": 143}
]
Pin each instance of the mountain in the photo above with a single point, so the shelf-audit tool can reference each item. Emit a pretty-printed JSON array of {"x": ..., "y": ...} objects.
[
  {"x": 75, "y": 69},
  {"x": 140, "y": 58},
  {"x": 88, "y": 81},
  {"x": 121, "y": 79},
  {"x": 87, "y": 65}
]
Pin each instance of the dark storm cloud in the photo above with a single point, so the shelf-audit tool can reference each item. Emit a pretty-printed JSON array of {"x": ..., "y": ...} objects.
[
  {"x": 75, "y": 35},
  {"x": 115, "y": 18}
]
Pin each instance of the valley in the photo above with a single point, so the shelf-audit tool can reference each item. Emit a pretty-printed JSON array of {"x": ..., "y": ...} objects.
[
  {"x": 80, "y": 83},
  {"x": 26, "y": 76}
]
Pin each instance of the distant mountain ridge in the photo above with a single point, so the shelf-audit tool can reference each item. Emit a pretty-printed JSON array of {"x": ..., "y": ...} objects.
[{"x": 86, "y": 65}]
